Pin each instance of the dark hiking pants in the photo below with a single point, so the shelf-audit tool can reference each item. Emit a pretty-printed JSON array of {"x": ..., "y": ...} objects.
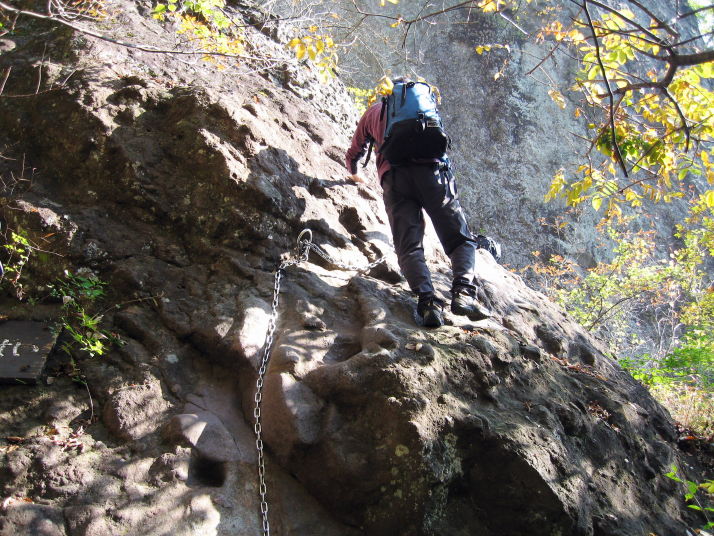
[{"x": 409, "y": 189}]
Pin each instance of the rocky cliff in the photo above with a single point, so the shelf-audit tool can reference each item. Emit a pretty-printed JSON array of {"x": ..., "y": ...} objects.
[{"x": 183, "y": 187}]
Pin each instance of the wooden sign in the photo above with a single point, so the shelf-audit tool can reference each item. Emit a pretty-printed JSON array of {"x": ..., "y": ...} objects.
[{"x": 24, "y": 347}]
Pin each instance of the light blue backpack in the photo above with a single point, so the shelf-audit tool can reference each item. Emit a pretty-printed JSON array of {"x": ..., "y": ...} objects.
[{"x": 413, "y": 128}]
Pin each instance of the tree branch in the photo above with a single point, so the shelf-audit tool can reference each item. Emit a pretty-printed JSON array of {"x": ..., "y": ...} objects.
[
  {"x": 616, "y": 147},
  {"x": 685, "y": 123},
  {"x": 659, "y": 84},
  {"x": 628, "y": 33},
  {"x": 658, "y": 20},
  {"x": 692, "y": 13},
  {"x": 543, "y": 60},
  {"x": 4, "y": 80},
  {"x": 692, "y": 39},
  {"x": 628, "y": 20},
  {"x": 686, "y": 60}
]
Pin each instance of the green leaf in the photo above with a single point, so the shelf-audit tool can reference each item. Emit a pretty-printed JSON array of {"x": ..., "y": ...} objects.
[
  {"x": 692, "y": 487},
  {"x": 673, "y": 474}
]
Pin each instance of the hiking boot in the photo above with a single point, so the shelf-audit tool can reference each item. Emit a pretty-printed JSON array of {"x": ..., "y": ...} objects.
[
  {"x": 430, "y": 309},
  {"x": 463, "y": 303}
]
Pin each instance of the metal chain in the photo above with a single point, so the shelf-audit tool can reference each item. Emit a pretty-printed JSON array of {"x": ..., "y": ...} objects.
[
  {"x": 322, "y": 253},
  {"x": 304, "y": 245}
]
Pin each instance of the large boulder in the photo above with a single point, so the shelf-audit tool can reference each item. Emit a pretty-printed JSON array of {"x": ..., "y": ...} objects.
[{"x": 184, "y": 189}]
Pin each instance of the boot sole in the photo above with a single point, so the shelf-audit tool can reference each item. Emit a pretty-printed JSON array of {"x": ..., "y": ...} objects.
[{"x": 471, "y": 313}]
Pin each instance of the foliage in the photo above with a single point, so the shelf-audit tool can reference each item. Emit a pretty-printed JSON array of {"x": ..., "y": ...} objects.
[
  {"x": 695, "y": 354},
  {"x": 613, "y": 296},
  {"x": 690, "y": 405},
  {"x": 656, "y": 128},
  {"x": 206, "y": 23},
  {"x": 361, "y": 98},
  {"x": 17, "y": 253},
  {"x": 693, "y": 493},
  {"x": 79, "y": 294},
  {"x": 635, "y": 295},
  {"x": 319, "y": 49}
]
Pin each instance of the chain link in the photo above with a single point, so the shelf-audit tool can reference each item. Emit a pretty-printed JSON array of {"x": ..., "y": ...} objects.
[
  {"x": 304, "y": 245},
  {"x": 322, "y": 253}
]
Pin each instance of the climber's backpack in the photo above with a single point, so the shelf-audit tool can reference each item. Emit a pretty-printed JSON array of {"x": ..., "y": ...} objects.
[{"x": 413, "y": 128}]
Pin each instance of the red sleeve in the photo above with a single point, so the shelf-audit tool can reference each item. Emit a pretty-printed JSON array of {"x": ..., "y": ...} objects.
[{"x": 367, "y": 131}]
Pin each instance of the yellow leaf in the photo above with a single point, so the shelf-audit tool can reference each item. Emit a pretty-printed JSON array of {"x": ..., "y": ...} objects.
[
  {"x": 300, "y": 50},
  {"x": 294, "y": 42},
  {"x": 385, "y": 86},
  {"x": 312, "y": 52},
  {"x": 488, "y": 6},
  {"x": 597, "y": 203},
  {"x": 557, "y": 97},
  {"x": 312, "y": 29},
  {"x": 708, "y": 198},
  {"x": 576, "y": 36},
  {"x": 631, "y": 195}
]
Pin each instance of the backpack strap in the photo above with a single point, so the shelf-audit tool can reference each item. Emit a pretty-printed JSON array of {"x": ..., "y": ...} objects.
[
  {"x": 382, "y": 112},
  {"x": 369, "y": 153}
]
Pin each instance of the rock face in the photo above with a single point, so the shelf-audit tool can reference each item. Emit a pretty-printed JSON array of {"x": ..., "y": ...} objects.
[{"x": 184, "y": 188}]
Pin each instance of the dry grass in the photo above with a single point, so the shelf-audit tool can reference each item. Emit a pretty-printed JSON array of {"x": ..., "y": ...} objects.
[{"x": 690, "y": 405}]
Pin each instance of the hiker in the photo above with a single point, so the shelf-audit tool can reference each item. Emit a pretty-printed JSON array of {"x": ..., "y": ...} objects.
[{"x": 415, "y": 175}]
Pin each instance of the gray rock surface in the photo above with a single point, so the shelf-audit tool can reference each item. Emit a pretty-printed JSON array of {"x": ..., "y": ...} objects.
[{"x": 184, "y": 188}]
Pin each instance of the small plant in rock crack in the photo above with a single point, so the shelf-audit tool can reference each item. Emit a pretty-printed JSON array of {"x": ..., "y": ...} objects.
[
  {"x": 695, "y": 492},
  {"x": 17, "y": 251},
  {"x": 79, "y": 295}
]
